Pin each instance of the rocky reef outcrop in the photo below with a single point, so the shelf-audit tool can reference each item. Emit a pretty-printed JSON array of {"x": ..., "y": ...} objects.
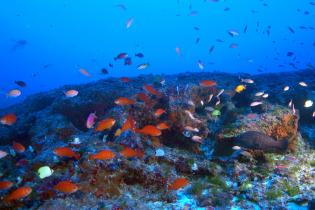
[{"x": 198, "y": 123}]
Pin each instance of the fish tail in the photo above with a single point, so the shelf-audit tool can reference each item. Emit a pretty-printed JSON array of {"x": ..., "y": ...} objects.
[{"x": 91, "y": 157}]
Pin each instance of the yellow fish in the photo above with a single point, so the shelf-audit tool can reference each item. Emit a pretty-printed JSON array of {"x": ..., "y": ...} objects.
[{"x": 240, "y": 88}]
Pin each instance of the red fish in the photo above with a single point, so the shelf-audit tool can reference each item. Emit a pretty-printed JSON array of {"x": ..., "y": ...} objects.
[
  {"x": 71, "y": 93},
  {"x": 8, "y": 119},
  {"x": 143, "y": 97},
  {"x": 85, "y": 72},
  {"x": 91, "y": 120},
  {"x": 124, "y": 101},
  {"x": 159, "y": 112},
  {"x": 121, "y": 56},
  {"x": 66, "y": 187},
  {"x": 129, "y": 124},
  {"x": 103, "y": 155},
  {"x": 18, "y": 147},
  {"x": 14, "y": 93},
  {"x": 150, "y": 130},
  {"x": 151, "y": 90},
  {"x": 125, "y": 79},
  {"x": 163, "y": 126},
  {"x": 207, "y": 83},
  {"x": 178, "y": 183},
  {"x": 19, "y": 193},
  {"x": 105, "y": 124},
  {"x": 4, "y": 185},
  {"x": 130, "y": 153},
  {"x": 66, "y": 152}
]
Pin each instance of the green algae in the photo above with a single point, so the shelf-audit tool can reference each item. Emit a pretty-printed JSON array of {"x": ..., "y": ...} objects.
[
  {"x": 273, "y": 194},
  {"x": 218, "y": 182},
  {"x": 291, "y": 189},
  {"x": 245, "y": 186},
  {"x": 197, "y": 188}
]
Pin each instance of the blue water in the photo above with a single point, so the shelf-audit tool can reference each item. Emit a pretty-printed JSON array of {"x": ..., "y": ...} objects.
[{"x": 62, "y": 36}]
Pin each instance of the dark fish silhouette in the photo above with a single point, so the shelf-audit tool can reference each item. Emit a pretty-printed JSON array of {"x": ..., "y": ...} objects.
[
  {"x": 259, "y": 141},
  {"x": 291, "y": 30},
  {"x": 104, "y": 71},
  {"x": 245, "y": 29},
  {"x": 139, "y": 55},
  {"x": 19, "y": 44},
  {"x": 20, "y": 83}
]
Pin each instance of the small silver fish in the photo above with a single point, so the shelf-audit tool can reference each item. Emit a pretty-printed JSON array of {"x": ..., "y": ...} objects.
[
  {"x": 196, "y": 139},
  {"x": 286, "y": 88},
  {"x": 293, "y": 109},
  {"x": 266, "y": 95},
  {"x": 259, "y": 94},
  {"x": 201, "y": 65},
  {"x": 236, "y": 148},
  {"x": 202, "y": 103},
  {"x": 313, "y": 114},
  {"x": 308, "y": 103},
  {"x": 189, "y": 128},
  {"x": 248, "y": 81},
  {"x": 221, "y": 91},
  {"x": 256, "y": 103},
  {"x": 303, "y": 84},
  {"x": 290, "y": 103},
  {"x": 191, "y": 103},
  {"x": 209, "y": 109},
  {"x": 210, "y": 98}
]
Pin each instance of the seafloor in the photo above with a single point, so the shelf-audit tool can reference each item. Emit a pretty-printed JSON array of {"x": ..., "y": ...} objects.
[{"x": 219, "y": 177}]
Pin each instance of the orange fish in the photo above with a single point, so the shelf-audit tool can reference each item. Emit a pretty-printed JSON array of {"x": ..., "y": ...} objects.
[
  {"x": 207, "y": 83},
  {"x": 178, "y": 183},
  {"x": 71, "y": 93},
  {"x": 125, "y": 79},
  {"x": 18, "y": 147},
  {"x": 66, "y": 152},
  {"x": 163, "y": 126},
  {"x": 124, "y": 101},
  {"x": 130, "y": 153},
  {"x": 150, "y": 130},
  {"x": 159, "y": 112},
  {"x": 18, "y": 194},
  {"x": 103, "y": 155},
  {"x": 66, "y": 187},
  {"x": 151, "y": 90},
  {"x": 156, "y": 142},
  {"x": 129, "y": 124},
  {"x": 118, "y": 132},
  {"x": 4, "y": 185},
  {"x": 105, "y": 124},
  {"x": 8, "y": 119},
  {"x": 14, "y": 93},
  {"x": 143, "y": 97},
  {"x": 85, "y": 72}
]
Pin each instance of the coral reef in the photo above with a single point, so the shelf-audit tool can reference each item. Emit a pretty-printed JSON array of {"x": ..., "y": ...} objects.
[{"x": 196, "y": 144}]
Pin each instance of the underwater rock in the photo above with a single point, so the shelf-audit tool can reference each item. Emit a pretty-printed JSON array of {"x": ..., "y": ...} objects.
[
  {"x": 123, "y": 183},
  {"x": 259, "y": 141},
  {"x": 279, "y": 123}
]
